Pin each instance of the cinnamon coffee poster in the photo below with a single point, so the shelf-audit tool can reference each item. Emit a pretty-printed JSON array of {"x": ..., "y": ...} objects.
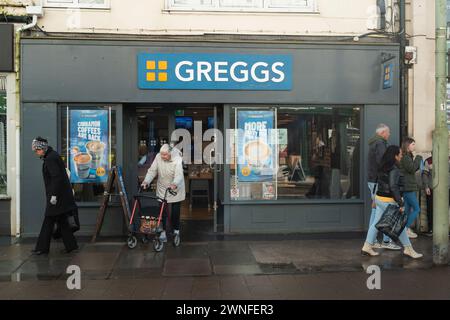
[
  {"x": 89, "y": 148},
  {"x": 255, "y": 148}
]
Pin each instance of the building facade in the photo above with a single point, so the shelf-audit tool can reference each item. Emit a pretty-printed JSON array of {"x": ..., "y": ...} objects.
[{"x": 318, "y": 76}]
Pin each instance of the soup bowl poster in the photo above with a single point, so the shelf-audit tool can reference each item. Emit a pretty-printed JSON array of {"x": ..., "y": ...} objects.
[
  {"x": 89, "y": 147},
  {"x": 256, "y": 151}
]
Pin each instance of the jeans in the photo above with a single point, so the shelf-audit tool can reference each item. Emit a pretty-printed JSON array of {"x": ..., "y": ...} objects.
[
  {"x": 411, "y": 207},
  {"x": 372, "y": 233},
  {"x": 373, "y": 191}
]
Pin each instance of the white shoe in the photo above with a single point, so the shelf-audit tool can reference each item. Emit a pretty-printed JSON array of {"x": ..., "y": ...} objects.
[
  {"x": 409, "y": 251},
  {"x": 390, "y": 246},
  {"x": 377, "y": 245},
  {"x": 176, "y": 232},
  {"x": 368, "y": 251},
  {"x": 163, "y": 237},
  {"x": 411, "y": 234}
]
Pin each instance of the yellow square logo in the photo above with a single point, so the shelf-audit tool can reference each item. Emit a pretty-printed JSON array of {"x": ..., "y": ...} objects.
[
  {"x": 151, "y": 65},
  {"x": 151, "y": 76},
  {"x": 162, "y": 76},
  {"x": 162, "y": 65}
]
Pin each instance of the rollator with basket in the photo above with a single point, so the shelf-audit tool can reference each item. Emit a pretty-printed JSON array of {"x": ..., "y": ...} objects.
[{"x": 150, "y": 223}]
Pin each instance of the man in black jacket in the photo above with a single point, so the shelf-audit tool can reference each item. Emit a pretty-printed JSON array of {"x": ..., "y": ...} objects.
[
  {"x": 377, "y": 147},
  {"x": 59, "y": 197}
]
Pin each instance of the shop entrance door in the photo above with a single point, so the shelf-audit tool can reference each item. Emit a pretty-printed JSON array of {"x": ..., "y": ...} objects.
[{"x": 153, "y": 126}]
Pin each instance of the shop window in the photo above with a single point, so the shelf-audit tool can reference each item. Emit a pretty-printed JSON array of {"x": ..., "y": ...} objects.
[
  {"x": 312, "y": 153},
  {"x": 243, "y": 5},
  {"x": 3, "y": 151},
  {"x": 94, "y": 4},
  {"x": 88, "y": 148}
]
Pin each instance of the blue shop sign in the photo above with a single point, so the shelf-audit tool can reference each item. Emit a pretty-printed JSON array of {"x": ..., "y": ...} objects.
[
  {"x": 214, "y": 71},
  {"x": 388, "y": 75}
]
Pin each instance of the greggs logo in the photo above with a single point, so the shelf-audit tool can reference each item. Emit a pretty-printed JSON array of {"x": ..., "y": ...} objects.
[{"x": 214, "y": 71}]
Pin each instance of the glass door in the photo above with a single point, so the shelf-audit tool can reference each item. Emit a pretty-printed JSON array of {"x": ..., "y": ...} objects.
[{"x": 218, "y": 166}]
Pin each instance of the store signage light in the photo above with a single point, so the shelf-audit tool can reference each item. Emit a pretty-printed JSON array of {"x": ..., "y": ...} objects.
[{"x": 214, "y": 71}]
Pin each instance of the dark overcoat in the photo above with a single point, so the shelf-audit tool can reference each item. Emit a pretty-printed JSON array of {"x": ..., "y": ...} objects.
[{"x": 57, "y": 184}]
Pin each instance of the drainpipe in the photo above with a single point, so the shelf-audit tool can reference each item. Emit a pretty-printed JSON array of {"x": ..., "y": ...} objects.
[
  {"x": 403, "y": 73},
  {"x": 440, "y": 144},
  {"x": 18, "y": 144}
]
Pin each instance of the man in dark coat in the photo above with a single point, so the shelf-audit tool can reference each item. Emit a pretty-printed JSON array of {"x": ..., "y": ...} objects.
[
  {"x": 59, "y": 198},
  {"x": 377, "y": 147}
]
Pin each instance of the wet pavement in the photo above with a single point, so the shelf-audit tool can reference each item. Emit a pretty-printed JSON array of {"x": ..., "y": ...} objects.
[{"x": 210, "y": 266}]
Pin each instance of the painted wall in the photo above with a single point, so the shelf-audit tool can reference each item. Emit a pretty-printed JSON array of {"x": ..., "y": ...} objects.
[{"x": 148, "y": 17}]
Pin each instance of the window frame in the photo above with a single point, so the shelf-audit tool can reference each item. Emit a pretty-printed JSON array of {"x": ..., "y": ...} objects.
[
  {"x": 266, "y": 7},
  {"x": 3, "y": 91},
  {"x": 119, "y": 160},
  {"x": 281, "y": 200},
  {"x": 76, "y": 4}
]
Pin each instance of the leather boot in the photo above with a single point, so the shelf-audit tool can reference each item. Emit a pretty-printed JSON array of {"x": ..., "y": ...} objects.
[
  {"x": 367, "y": 250},
  {"x": 409, "y": 251}
]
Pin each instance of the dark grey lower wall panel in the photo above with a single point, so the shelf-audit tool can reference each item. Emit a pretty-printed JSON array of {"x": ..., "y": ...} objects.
[
  {"x": 37, "y": 120},
  {"x": 112, "y": 225},
  {"x": 5, "y": 217},
  {"x": 294, "y": 218}
]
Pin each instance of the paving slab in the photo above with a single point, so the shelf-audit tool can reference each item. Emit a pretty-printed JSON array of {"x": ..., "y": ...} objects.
[{"x": 187, "y": 267}]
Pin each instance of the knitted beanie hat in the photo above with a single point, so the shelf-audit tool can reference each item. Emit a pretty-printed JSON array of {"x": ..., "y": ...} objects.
[{"x": 39, "y": 144}]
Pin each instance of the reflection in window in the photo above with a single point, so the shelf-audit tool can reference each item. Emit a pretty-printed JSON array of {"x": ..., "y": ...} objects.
[
  {"x": 318, "y": 156},
  {"x": 3, "y": 153}
]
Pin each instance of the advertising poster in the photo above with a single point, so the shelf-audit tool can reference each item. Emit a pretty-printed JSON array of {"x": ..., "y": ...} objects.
[
  {"x": 268, "y": 191},
  {"x": 255, "y": 152},
  {"x": 88, "y": 141}
]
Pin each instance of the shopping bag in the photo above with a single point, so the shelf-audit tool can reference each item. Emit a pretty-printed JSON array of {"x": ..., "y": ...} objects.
[
  {"x": 392, "y": 222},
  {"x": 74, "y": 222}
]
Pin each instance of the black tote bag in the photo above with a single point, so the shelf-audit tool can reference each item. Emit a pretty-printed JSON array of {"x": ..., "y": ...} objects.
[
  {"x": 74, "y": 224},
  {"x": 392, "y": 222}
]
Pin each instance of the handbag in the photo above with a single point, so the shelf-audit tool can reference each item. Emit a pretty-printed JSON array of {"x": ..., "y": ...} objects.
[
  {"x": 392, "y": 222},
  {"x": 74, "y": 222}
]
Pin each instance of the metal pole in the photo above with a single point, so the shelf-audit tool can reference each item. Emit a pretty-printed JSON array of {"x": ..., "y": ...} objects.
[
  {"x": 440, "y": 143},
  {"x": 403, "y": 73}
]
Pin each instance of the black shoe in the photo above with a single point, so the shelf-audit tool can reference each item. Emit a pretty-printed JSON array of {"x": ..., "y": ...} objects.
[
  {"x": 38, "y": 252},
  {"x": 75, "y": 250}
]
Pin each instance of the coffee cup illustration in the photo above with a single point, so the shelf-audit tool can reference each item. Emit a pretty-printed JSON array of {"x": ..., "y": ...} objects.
[
  {"x": 82, "y": 162},
  {"x": 256, "y": 154},
  {"x": 96, "y": 150}
]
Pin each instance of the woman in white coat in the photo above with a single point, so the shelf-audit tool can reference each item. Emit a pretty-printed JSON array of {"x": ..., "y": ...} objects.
[{"x": 168, "y": 167}]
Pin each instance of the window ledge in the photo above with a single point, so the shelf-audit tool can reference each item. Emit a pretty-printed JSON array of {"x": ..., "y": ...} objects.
[
  {"x": 4, "y": 197},
  {"x": 241, "y": 11},
  {"x": 65, "y": 7},
  {"x": 82, "y": 205},
  {"x": 300, "y": 202}
]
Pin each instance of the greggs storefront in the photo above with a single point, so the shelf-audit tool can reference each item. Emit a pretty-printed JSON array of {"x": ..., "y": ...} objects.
[{"x": 273, "y": 136}]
